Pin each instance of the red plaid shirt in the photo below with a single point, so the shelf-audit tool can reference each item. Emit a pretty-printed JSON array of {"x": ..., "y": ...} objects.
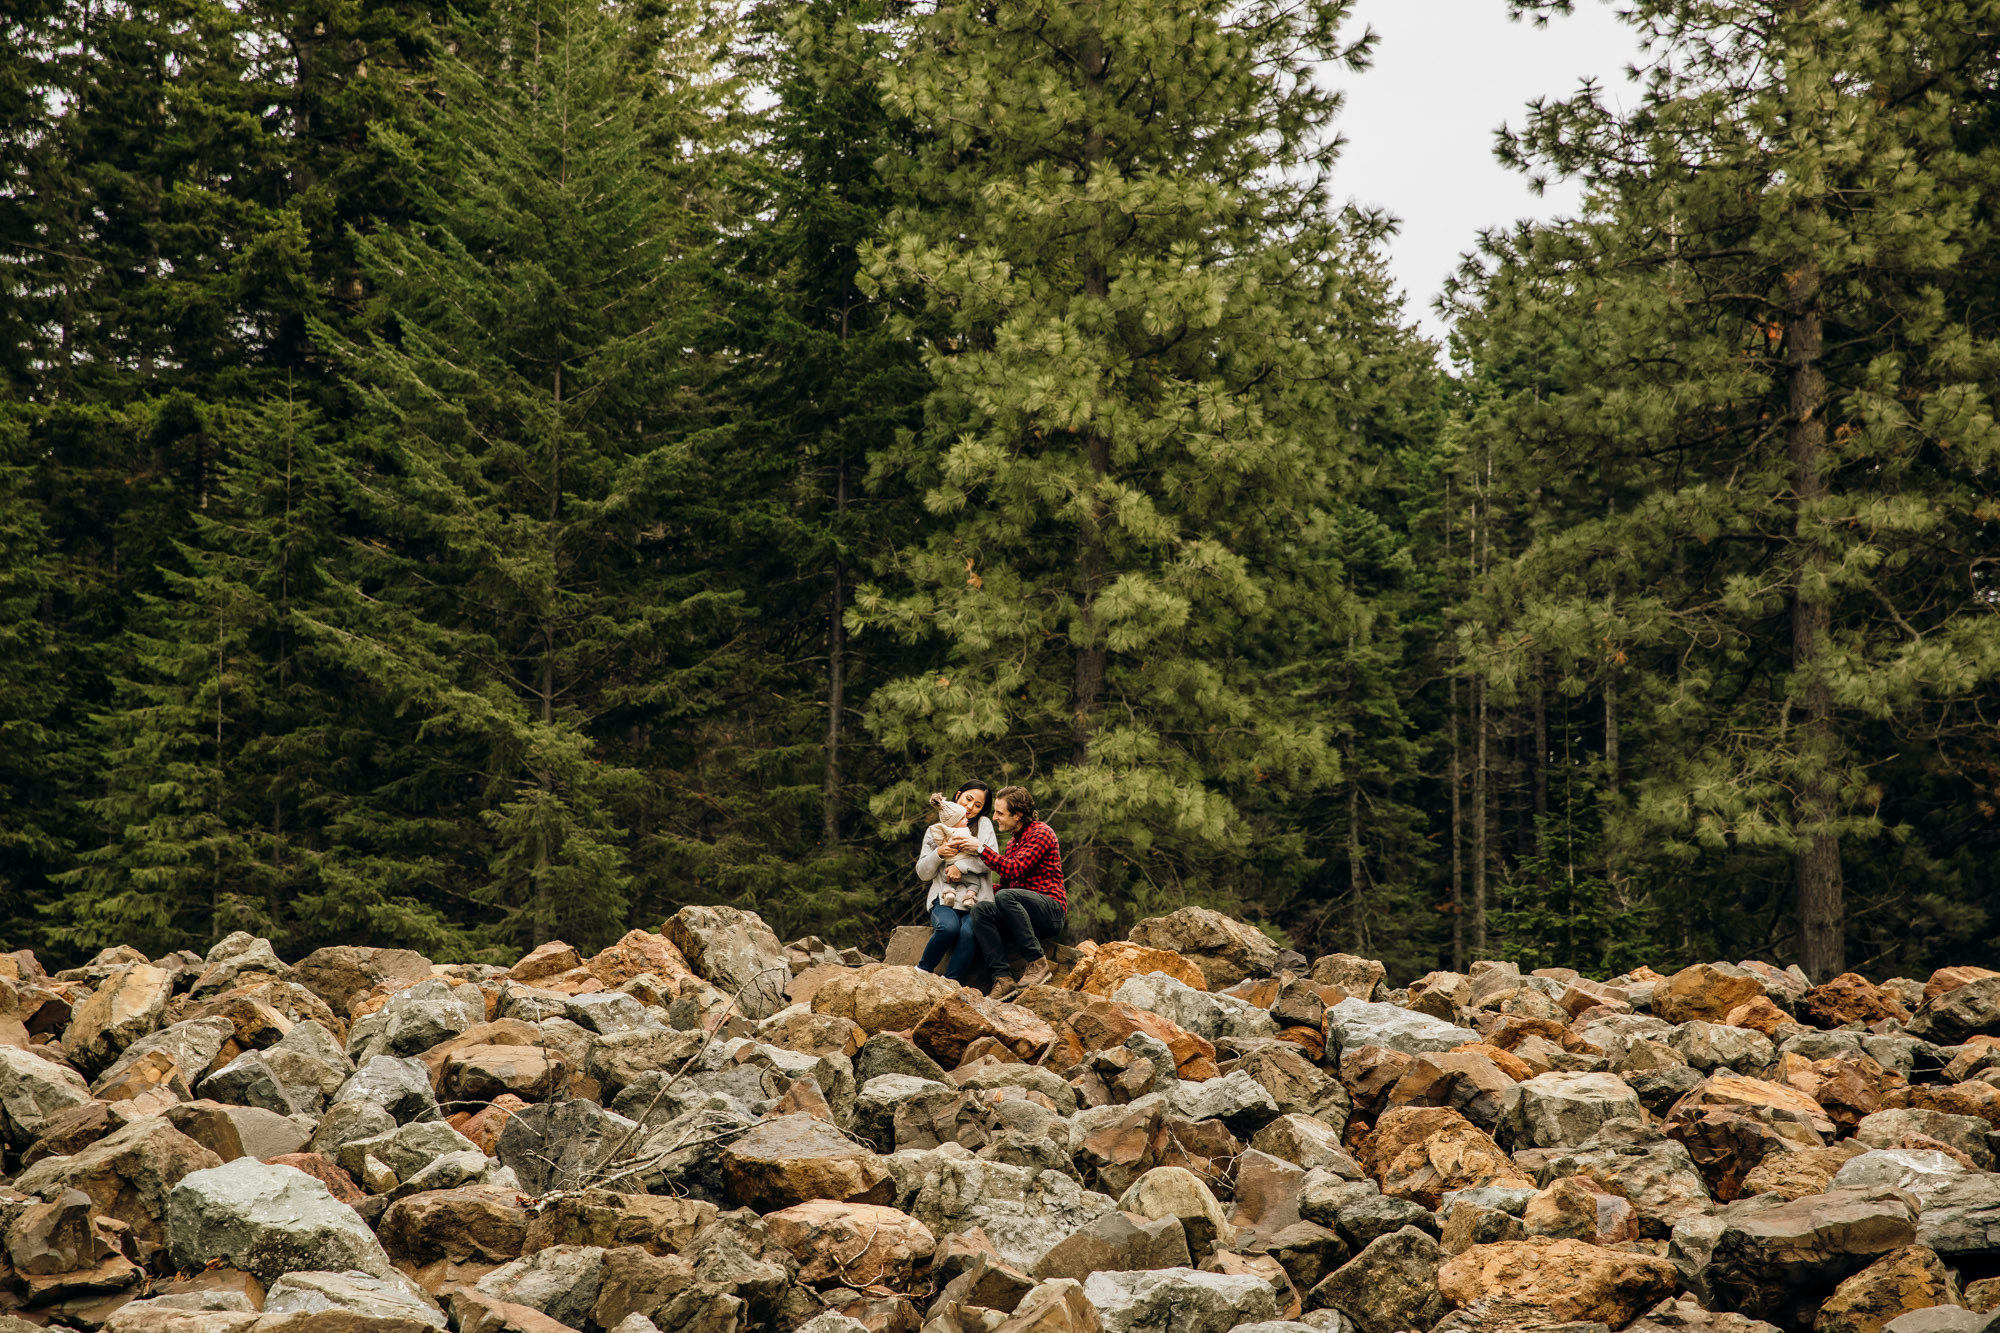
[{"x": 1033, "y": 860}]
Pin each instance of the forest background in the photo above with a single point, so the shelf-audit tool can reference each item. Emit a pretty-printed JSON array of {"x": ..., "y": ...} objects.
[{"x": 473, "y": 476}]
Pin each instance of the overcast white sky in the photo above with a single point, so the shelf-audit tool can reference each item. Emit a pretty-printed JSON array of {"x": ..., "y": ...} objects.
[{"x": 1420, "y": 122}]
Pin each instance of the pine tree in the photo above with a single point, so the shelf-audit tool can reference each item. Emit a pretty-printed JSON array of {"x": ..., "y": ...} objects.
[
  {"x": 233, "y": 740},
  {"x": 1753, "y": 418},
  {"x": 528, "y": 587},
  {"x": 1120, "y": 227}
]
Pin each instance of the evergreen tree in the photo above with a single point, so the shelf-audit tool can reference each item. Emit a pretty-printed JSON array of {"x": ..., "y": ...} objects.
[
  {"x": 528, "y": 587},
  {"x": 1120, "y": 225},
  {"x": 233, "y": 742},
  {"x": 1750, "y": 416}
]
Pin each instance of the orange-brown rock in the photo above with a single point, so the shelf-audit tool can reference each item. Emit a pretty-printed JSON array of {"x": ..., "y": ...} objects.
[
  {"x": 1947, "y": 979},
  {"x": 1795, "y": 1174},
  {"x": 1847, "y": 1089},
  {"x": 853, "y": 1244},
  {"x": 1912, "y": 1278},
  {"x": 881, "y": 998},
  {"x": 659, "y": 1223},
  {"x": 1973, "y": 1098},
  {"x": 484, "y": 1125},
  {"x": 1507, "y": 1062},
  {"x": 1776, "y": 1102},
  {"x": 1563, "y": 1280},
  {"x": 1104, "y": 969},
  {"x": 1583, "y": 995},
  {"x": 328, "y": 1173},
  {"x": 1369, "y": 1073},
  {"x": 639, "y": 953},
  {"x": 439, "y": 1235},
  {"x": 1727, "y": 1145},
  {"x": 1850, "y": 998},
  {"x": 544, "y": 961},
  {"x": 1578, "y": 1208},
  {"x": 964, "y": 1016},
  {"x": 1420, "y": 1152},
  {"x": 481, "y": 1073},
  {"x": 498, "y": 1032},
  {"x": 1260, "y": 991},
  {"x": 1102, "y": 1024},
  {"x": 1465, "y": 1081},
  {"x": 1705, "y": 991},
  {"x": 798, "y": 1157},
  {"x": 799, "y": 1029},
  {"x": 1311, "y": 1040},
  {"x": 1758, "y": 1014}
]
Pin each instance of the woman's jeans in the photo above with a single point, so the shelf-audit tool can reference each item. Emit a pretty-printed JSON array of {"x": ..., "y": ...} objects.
[{"x": 951, "y": 932}]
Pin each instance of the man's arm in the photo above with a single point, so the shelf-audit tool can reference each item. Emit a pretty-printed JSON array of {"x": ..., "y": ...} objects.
[{"x": 1027, "y": 851}]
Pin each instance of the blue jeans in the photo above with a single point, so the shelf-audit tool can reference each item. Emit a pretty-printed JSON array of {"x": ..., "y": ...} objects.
[{"x": 951, "y": 932}]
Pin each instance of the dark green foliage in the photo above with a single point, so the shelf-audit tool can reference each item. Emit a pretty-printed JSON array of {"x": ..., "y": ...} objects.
[{"x": 470, "y": 476}]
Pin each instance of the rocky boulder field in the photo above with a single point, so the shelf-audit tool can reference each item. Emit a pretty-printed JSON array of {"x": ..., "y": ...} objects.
[{"x": 704, "y": 1130}]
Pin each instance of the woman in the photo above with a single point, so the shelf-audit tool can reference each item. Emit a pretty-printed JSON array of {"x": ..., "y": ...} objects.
[{"x": 951, "y": 929}]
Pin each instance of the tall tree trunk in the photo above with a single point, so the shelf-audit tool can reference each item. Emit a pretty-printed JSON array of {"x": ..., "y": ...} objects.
[
  {"x": 836, "y": 675},
  {"x": 1819, "y": 907},
  {"x": 1480, "y": 819},
  {"x": 1455, "y": 779},
  {"x": 1083, "y": 863}
]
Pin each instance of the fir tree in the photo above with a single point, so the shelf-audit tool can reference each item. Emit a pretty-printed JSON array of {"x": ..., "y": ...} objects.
[{"x": 529, "y": 486}]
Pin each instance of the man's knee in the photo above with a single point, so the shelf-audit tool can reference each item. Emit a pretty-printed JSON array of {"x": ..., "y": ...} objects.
[{"x": 985, "y": 911}]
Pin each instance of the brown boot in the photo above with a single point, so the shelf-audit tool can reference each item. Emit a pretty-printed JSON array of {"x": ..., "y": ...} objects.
[
  {"x": 1037, "y": 973},
  {"x": 1003, "y": 986}
]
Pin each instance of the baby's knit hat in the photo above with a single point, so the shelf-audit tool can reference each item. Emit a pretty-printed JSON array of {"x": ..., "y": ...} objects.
[{"x": 950, "y": 813}]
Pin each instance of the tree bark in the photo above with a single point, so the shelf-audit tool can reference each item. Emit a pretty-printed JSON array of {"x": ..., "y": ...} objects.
[
  {"x": 1083, "y": 867},
  {"x": 1821, "y": 913},
  {"x": 836, "y": 677}
]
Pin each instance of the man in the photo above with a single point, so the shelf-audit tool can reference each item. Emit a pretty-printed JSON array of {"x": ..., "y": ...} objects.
[{"x": 1029, "y": 901}]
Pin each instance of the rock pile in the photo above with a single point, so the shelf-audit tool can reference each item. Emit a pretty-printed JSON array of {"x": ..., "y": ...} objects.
[{"x": 704, "y": 1130}]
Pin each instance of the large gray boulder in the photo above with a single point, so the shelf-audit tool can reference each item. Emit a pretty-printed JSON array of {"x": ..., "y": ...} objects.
[
  {"x": 1236, "y": 1099},
  {"x": 1958, "y": 1013},
  {"x": 1563, "y": 1110},
  {"x": 1765, "y": 1255},
  {"x": 394, "y": 1297},
  {"x": 1918, "y": 1170},
  {"x": 1711, "y": 1046},
  {"x": 191, "y": 1045},
  {"x": 1178, "y": 1300},
  {"x": 405, "y": 1150},
  {"x": 1203, "y": 1013},
  {"x": 267, "y": 1220},
  {"x": 1225, "y": 950},
  {"x": 562, "y": 1281},
  {"x": 31, "y": 1090},
  {"x": 1391, "y": 1285},
  {"x": 734, "y": 950},
  {"x": 1354, "y": 1023},
  {"x": 1023, "y": 1212},
  {"x": 417, "y": 1018},
  {"x": 1961, "y": 1216},
  {"x": 1655, "y": 1174},
  {"x": 563, "y": 1145},
  {"x": 400, "y": 1087}
]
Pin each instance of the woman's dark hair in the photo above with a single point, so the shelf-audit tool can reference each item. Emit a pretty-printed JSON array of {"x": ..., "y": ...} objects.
[{"x": 985, "y": 794}]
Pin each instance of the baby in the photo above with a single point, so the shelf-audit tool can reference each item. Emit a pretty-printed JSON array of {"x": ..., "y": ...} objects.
[{"x": 960, "y": 880}]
